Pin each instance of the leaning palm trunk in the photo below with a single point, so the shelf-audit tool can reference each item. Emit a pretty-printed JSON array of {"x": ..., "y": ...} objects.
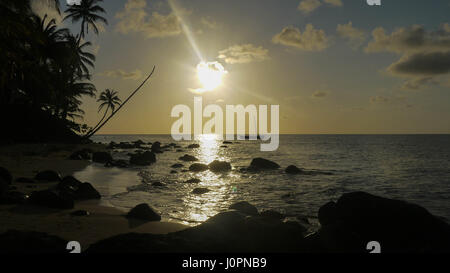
[
  {"x": 98, "y": 124},
  {"x": 121, "y": 105}
]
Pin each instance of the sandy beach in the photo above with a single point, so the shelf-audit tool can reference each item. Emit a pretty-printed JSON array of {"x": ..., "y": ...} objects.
[{"x": 26, "y": 160}]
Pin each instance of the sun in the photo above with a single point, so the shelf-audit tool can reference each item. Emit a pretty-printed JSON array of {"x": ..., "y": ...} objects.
[{"x": 210, "y": 75}]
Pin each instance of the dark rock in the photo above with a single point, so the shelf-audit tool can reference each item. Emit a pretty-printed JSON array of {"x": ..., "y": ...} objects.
[
  {"x": 327, "y": 213},
  {"x": 144, "y": 159},
  {"x": 13, "y": 198},
  {"x": 219, "y": 166},
  {"x": 245, "y": 207},
  {"x": 227, "y": 142},
  {"x": 84, "y": 154},
  {"x": 3, "y": 187},
  {"x": 69, "y": 183},
  {"x": 80, "y": 213},
  {"x": 17, "y": 242},
  {"x": 198, "y": 167},
  {"x": 48, "y": 176},
  {"x": 193, "y": 181},
  {"x": 158, "y": 184},
  {"x": 144, "y": 212},
  {"x": 118, "y": 164},
  {"x": 51, "y": 199},
  {"x": 24, "y": 180},
  {"x": 293, "y": 170},
  {"x": 263, "y": 164},
  {"x": 193, "y": 146},
  {"x": 177, "y": 166},
  {"x": 173, "y": 172},
  {"x": 272, "y": 214},
  {"x": 102, "y": 157},
  {"x": 188, "y": 158},
  {"x": 6, "y": 175},
  {"x": 399, "y": 226},
  {"x": 200, "y": 191},
  {"x": 139, "y": 142},
  {"x": 86, "y": 191},
  {"x": 156, "y": 148}
]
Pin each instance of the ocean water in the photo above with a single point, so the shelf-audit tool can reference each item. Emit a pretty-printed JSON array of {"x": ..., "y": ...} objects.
[{"x": 414, "y": 168}]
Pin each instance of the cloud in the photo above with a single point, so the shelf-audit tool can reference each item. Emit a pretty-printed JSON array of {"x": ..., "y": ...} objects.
[
  {"x": 422, "y": 64},
  {"x": 319, "y": 94},
  {"x": 119, "y": 73},
  {"x": 308, "y": 6},
  {"x": 396, "y": 100},
  {"x": 424, "y": 54},
  {"x": 134, "y": 19},
  {"x": 208, "y": 22},
  {"x": 355, "y": 36},
  {"x": 409, "y": 40},
  {"x": 310, "y": 40},
  {"x": 247, "y": 53},
  {"x": 336, "y": 3}
]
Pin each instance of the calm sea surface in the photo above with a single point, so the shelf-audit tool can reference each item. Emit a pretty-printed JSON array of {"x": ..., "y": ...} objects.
[{"x": 415, "y": 168}]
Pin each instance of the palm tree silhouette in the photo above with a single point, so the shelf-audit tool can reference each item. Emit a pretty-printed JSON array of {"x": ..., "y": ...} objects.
[
  {"x": 87, "y": 13},
  {"x": 110, "y": 100}
]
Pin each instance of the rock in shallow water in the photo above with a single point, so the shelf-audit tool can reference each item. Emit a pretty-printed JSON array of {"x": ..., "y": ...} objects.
[
  {"x": 143, "y": 159},
  {"x": 144, "y": 212},
  {"x": 197, "y": 167},
  {"x": 219, "y": 166},
  {"x": 200, "y": 191},
  {"x": 260, "y": 164},
  {"x": 188, "y": 158},
  {"x": 293, "y": 170}
]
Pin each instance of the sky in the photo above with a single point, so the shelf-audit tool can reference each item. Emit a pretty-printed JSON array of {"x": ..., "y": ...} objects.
[{"x": 333, "y": 66}]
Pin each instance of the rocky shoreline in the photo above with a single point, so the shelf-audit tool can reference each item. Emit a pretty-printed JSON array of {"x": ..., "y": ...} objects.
[{"x": 346, "y": 225}]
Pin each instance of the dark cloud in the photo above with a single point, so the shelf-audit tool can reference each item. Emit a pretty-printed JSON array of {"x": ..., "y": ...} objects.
[
  {"x": 425, "y": 54},
  {"x": 310, "y": 40},
  {"x": 423, "y": 64}
]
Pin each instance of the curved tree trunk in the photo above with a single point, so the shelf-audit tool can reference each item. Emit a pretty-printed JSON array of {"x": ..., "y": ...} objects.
[
  {"x": 120, "y": 107},
  {"x": 95, "y": 127}
]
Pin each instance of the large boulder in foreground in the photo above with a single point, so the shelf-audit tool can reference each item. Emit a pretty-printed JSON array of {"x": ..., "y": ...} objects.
[
  {"x": 143, "y": 159},
  {"x": 14, "y": 241},
  {"x": 358, "y": 218},
  {"x": 245, "y": 207},
  {"x": 84, "y": 154},
  {"x": 144, "y": 212},
  {"x": 51, "y": 199},
  {"x": 5, "y": 175},
  {"x": 261, "y": 164},
  {"x": 219, "y": 166}
]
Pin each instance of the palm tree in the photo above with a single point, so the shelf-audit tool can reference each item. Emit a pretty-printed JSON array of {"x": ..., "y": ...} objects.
[
  {"x": 99, "y": 126},
  {"x": 110, "y": 100},
  {"x": 87, "y": 13}
]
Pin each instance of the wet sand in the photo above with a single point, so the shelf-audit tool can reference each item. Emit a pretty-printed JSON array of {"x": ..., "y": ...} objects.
[{"x": 103, "y": 222}]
